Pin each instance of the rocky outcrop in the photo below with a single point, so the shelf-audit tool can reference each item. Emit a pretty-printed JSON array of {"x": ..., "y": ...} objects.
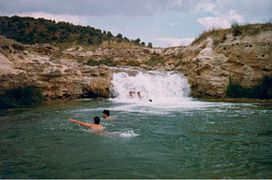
[
  {"x": 80, "y": 71},
  {"x": 57, "y": 78},
  {"x": 210, "y": 65}
]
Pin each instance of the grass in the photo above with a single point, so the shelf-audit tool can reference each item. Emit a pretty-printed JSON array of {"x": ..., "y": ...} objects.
[
  {"x": 218, "y": 35},
  {"x": 111, "y": 62},
  {"x": 107, "y": 61},
  {"x": 260, "y": 91},
  {"x": 21, "y": 97},
  {"x": 154, "y": 60},
  {"x": 235, "y": 29}
]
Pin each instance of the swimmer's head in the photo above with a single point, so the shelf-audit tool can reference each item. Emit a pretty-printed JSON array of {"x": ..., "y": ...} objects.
[
  {"x": 96, "y": 120},
  {"x": 150, "y": 100},
  {"x": 106, "y": 113}
]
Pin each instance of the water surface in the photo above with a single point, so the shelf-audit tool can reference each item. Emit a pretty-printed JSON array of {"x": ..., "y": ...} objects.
[{"x": 193, "y": 140}]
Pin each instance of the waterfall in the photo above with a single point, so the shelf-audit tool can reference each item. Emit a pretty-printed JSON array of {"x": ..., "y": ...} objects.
[{"x": 150, "y": 86}]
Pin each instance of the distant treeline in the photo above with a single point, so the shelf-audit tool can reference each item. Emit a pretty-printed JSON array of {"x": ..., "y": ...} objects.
[{"x": 29, "y": 30}]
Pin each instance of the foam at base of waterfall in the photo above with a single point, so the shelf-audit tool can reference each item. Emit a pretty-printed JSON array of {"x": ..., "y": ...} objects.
[{"x": 150, "y": 87}]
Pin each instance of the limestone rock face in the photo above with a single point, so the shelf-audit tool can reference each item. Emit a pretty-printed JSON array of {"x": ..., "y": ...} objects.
[
  {"x": 57, "y": 78},
  {"x": 80, "y": 71},
  {"x": 209, "y": 66}
]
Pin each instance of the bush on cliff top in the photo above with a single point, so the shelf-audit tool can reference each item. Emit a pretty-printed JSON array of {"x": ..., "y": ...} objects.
[
  {"x": 260, "y": 91},
  {"x": 235, "y": 29},
  {"x": 21, "y": 97}
]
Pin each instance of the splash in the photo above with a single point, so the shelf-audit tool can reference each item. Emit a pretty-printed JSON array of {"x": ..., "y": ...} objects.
[
  {"x": 128, "y": 134},
  {"x": 151, "y": 86}
]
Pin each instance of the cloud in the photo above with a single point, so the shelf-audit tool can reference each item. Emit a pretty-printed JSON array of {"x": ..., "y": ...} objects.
[
  {"x": 174, "y": 23},
  {"x": 145, "y": 19},
  {"x": 78, "y": 20},
  {"x": 78, "y": 7},
  {"x": 96, "y": 7},
  {"x": 170, "y": 41},
  {"x": 223, "y": 21},
  {"x": 205, "y": 6},
  {"x": 135, "y": 8}
]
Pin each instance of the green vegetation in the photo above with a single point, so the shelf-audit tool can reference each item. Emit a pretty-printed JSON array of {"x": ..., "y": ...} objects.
[
  {"x": 261, "y": 91},
  {"x": 154, "y": 60},
  {"x": 28, "y": 30},
  {"x": 110, "y": 62},
  {"x": 219, "y": 35},
  {"x": 236, "y": 29},
  {"x": 21, "y": 97},
  {"x": 107, "y": 61}
]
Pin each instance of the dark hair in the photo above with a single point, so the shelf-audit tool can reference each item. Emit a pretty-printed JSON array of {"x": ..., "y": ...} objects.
[
  {"x": 107, "y": 112},
  {"x": 96, "y": 120}
]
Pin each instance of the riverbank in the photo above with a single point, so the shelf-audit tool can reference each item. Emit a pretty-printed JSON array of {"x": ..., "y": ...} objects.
[{"x": 215, "y": 60}]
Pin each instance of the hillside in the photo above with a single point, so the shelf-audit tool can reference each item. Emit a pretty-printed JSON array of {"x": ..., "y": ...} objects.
[
  {"x": 220, "y": 63},
  {"x": 236, "y": 30},
  {"x": 29, "y": 30}
]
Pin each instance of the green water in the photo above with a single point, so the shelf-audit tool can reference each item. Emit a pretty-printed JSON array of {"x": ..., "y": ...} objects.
[{"x": 210, "y": 140}]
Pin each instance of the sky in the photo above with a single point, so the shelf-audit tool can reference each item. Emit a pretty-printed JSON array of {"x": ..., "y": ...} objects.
[{"x": 165, "y": 23}]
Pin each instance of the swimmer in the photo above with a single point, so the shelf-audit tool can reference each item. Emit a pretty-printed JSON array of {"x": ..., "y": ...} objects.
[
  {"x": 106, "y": 115},
  {"x": 150, "y": 100},
  {"x": 130, "y": 94},
  {"x": 139, "y": 95},
  {"x": 94, "y": 126}
]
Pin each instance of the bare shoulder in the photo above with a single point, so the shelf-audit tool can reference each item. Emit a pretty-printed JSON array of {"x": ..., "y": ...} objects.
[{"x": 110, "y": 118}]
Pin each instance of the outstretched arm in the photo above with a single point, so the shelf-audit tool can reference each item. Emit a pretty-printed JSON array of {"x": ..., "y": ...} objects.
[{"x": 79, "y": 122}]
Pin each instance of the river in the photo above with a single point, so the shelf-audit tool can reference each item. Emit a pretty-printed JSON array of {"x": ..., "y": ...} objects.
[{"x": 174, "y": 136}]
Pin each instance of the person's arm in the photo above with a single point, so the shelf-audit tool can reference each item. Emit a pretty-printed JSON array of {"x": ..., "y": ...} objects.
[{"x": 80, "y": 123}]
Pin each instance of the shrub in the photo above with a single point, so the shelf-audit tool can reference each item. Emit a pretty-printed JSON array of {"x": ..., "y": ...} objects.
[
  {"x": 154, "y": 60},
  {"x": 21, "y": 97},
  {"x": 260, "y": 91},
  {"x": 120, "y": 36},
  {"x": 137, "y": 41},
  {"x": 236, "y": 29},
  {"x": 201, "y": 37},
  {"x": 28, "y": 30},
  {"x": 107, "y": 61}
]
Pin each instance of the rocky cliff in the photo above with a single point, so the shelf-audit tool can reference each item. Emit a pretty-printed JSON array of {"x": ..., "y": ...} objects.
[
  {"x": 73, "y": 71},
  {"x": 24, "y": 65},
  {"x": 212, "y": 62}
]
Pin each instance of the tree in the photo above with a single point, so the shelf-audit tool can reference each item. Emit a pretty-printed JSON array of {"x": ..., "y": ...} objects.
[
  {"x": 137, "y": 41},
  {"x": 149, "y": 45},
  {"x": 30, "y": 30},
  {"x": 120, "y": 36},
  {"x": 109, "y": 34}
]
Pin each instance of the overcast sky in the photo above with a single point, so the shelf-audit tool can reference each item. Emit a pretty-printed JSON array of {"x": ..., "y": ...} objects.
[{"x": 162, "y": 22}]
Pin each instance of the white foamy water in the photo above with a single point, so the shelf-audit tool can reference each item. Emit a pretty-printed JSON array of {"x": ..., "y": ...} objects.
[
  {"x": 128, "y": 134},
  {"x": 169, "y": 91},
  {"x": 155, "y": 86}
]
